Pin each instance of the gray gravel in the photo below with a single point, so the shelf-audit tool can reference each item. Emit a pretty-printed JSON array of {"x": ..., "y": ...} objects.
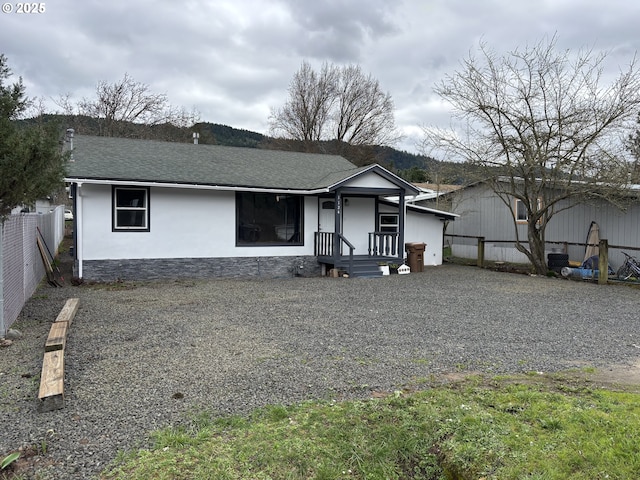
[{"x": 143, "y": 356}]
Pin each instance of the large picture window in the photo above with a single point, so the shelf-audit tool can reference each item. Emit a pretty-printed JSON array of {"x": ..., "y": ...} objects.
[
  {"x": 130, "y": 209},
  {"x": 269, "y": 219}
]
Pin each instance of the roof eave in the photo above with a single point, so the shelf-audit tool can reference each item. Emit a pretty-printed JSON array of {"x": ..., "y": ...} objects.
[{"x": 197, "y": 186}]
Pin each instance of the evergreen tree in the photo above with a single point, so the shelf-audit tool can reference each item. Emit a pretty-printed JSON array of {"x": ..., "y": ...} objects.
[{"x": 31, "y": 160}]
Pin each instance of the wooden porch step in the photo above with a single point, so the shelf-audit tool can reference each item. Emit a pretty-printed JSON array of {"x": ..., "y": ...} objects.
[{"x": 364, "y": 266}]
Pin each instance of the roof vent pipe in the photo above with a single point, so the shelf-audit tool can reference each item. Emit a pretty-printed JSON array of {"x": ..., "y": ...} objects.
[{"x": 70, "y": 132}]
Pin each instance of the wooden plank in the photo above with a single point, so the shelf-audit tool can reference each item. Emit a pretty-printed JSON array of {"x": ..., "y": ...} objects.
[
  {"x": 52, "y": 381},
  {"x": 57, "y": 337},
  {"x": 68, "y": 312}
]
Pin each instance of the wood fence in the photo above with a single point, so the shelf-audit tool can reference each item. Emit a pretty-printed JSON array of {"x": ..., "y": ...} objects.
[{"x": 603, "y": 246}]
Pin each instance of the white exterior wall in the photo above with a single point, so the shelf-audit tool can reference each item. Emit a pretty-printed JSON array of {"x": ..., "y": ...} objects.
[
  {"x": 358, "y": 220},
  {"x": 184, "y": 223},
  {"x": 371, "y": 180},
  {"x": 428, "y": 229},
  {"x": 422, "y": 228}
]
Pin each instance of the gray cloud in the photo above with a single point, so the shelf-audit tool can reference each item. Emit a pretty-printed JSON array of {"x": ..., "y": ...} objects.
[{"x": 233, "y": 60}]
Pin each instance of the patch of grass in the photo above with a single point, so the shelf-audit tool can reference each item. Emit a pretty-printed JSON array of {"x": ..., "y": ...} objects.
[
  {"x": 421, "y": 361},
  {"x": 497, "y": 428}
]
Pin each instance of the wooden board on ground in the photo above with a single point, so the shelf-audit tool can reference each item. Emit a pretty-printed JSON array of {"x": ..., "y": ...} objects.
[
  {"x": 57, "y": 337},
  {"x": 69, "y": 310},
  {"x": 51, "y": 393}
]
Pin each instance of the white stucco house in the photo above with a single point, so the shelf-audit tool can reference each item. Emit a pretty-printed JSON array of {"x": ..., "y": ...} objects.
[{"x": 148, "y": 209}]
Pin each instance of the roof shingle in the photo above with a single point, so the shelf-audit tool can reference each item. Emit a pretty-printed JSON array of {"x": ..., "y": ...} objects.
[{"x": 123, "y": 159}]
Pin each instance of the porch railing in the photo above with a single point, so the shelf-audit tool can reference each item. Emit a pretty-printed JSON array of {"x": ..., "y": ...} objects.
[
  {"x": 351, "y": 249},
  {"x": 323, "y": 244},
  {"x": 383, "y": 244},
  {"x": 380, "y": 244}
]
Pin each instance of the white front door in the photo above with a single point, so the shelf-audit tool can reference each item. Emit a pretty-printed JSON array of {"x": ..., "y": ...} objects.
[{"x": 327, "y": 217}]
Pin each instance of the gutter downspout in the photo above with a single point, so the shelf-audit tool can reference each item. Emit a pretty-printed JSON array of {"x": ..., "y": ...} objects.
[{"x": 77, "y": 230}]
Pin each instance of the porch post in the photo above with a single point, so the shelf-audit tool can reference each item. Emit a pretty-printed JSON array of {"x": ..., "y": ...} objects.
[
  {"x": 338, "y": 225},
  {"x": 401, "y": 221}
]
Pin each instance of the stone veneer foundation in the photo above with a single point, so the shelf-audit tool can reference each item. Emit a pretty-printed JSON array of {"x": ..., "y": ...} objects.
[{"x": 234, "y": 267}]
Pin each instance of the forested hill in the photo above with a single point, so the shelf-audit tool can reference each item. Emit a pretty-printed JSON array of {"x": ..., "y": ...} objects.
[{"x": 415, "y": 168}]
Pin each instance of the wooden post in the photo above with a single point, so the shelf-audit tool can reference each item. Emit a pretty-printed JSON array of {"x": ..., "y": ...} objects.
[
  {"x": 603, "y": 262},
  {"x": 402, "y": 212},
  {"x": 481, "y": 252}
]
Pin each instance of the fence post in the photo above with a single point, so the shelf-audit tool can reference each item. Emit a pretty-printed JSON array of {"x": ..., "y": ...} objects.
[
  {"x": 481, "y": 252},
  {"x": 603, "y": 262},
  {"x": 2, "y": 325}
]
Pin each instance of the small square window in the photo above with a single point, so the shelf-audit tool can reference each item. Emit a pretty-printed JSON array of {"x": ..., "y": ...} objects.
[
  {"x": 130, "y": 209},
  {"x": 520, "y": 210}
]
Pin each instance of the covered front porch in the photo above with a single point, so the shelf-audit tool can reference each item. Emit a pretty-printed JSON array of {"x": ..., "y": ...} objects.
[
  {"x": 383, "y": 249},
  {"x": 358, "y": 230}
]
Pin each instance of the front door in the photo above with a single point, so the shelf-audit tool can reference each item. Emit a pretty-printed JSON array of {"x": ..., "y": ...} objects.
[{"x": 327, "y": 217}]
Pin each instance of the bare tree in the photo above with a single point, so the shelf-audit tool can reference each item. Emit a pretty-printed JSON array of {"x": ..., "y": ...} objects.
[
  {"x": 340, "y": 104},
  {"x": 311, "y": 97},
  {"x": 633, "y": 146},
  {"x": 364, "y": 113},
  {"x": 542, "y": 129},
  {"x": 125, "y": 101},
  {"x": 127, "y": 108}
]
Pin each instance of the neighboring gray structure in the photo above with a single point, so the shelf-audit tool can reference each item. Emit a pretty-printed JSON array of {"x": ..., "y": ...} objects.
[{"x": 483, "y": 214}]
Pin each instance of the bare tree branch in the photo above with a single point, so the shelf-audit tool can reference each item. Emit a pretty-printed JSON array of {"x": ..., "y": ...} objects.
[
  {"x": 339, "y": 104},
  {"x": 128, "y": 101},
  {"x": 543, "y": 121}
]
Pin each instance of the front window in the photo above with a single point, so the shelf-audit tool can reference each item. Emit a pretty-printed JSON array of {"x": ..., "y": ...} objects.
[
  {"x": 269, "y": 219},
  {"x": 130, "y": 209}
]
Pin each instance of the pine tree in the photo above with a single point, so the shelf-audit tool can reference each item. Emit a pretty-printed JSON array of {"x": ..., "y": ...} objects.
[{"x": 31, "y": 160}]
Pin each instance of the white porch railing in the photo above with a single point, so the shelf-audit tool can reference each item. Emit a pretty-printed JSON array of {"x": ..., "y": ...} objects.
[{"x": 383, "y": 244}]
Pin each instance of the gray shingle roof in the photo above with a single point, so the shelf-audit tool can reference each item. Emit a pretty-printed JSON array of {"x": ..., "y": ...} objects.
[{"x": 111, "y": 158}]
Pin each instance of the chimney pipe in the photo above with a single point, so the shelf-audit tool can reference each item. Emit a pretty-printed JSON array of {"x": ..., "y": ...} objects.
[{"x": 70, "y": 132}]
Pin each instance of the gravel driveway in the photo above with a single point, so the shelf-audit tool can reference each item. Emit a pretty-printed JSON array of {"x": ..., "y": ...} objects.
[{"x": 143, "y": 356}]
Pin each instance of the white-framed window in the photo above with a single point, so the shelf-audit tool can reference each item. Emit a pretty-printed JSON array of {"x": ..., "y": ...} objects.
[
  {"x": 520, "y": 210},
  {"x": 389, "y": 222},
  {"x": 130, "y": 209}
]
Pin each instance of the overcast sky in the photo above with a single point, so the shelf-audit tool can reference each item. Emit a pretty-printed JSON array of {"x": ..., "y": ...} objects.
[{"x": 232, "y": 61}]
